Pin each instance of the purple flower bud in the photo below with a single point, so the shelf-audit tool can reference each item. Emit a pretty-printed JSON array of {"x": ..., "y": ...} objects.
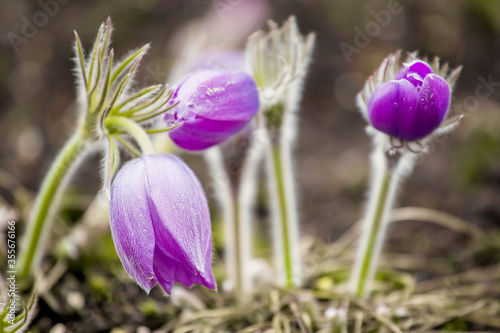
[
  {"x": 160, "y": 223},
  {"x": 411, "y": 106},
  {"x": 213, "y": 106}
]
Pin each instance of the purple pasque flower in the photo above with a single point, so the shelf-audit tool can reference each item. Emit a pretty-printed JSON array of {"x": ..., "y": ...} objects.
[
  {"x": 411, "y": 106},
  {"x": 213, "y": 106},
  {"x": 160, "y": 223}
]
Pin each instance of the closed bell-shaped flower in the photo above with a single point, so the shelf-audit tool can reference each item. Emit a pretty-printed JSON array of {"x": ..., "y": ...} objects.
[
  {"x": 412, "y": 105},
  {"x": 160, "y": 223}
]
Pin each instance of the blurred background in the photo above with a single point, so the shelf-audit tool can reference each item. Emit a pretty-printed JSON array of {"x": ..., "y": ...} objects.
[{"x": 460, "y": 175}]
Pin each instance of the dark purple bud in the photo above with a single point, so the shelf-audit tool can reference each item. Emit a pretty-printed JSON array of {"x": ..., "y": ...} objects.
[
  {"x": 411, "y": 106},
  {"x": 415, "y": 73},
  {"x": 213, "y": 106},
  {"x": 160, "y": 223}
]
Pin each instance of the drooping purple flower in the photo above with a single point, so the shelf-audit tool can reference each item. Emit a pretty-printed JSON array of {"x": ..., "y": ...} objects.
[
  {"x": 411, "y": 106},
  {"x": 213, "y": 106},
  {"x": 160, "y": 223}
]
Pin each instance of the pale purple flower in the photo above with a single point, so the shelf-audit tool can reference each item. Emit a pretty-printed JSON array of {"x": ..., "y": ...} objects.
[
  {"x": 412, "y": 105},
  {"x": 225, "y": 59},
  {"x": 160, "y": 223},
  {"x": 231, "y": 22},
  {"x": 213, "y": 106}
]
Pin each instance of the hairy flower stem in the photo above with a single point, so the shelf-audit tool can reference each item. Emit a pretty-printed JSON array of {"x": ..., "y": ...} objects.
[
  {"x": 133, "y": 129},
  {"x": 239, "y": 262},
  {"x": 278, "y": 174},
  {"x": 56, "y": 179},
  {"x": 385, "y": 179},
  {"x": 236, "y": 236},
  {"x": 46, "y": 201},
  {"x": 286, "y": 236}
]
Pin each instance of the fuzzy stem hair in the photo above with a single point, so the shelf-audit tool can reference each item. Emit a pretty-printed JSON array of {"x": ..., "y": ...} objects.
[
  {"x": 387, "y": 172},
  {"x": 46, "y": 202}
]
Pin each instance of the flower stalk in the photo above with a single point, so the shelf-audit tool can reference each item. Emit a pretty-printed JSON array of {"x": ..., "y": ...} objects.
[
  {"x": 109, "y": 109},
  {"x": 131, "y": 128},
  {"x": 239, "y": 266},
  {"x": 279, "y": 61},
  {"x": 236, "y": 253},
  {"x": 406, "y": 106},
  {"x": 385, "y": 179},
  {"x": 52, "y": 187},
  {"x": 234, "y": 167},
  {"x": 286, "y": 232},
  {"x": 213, "y": 105}
]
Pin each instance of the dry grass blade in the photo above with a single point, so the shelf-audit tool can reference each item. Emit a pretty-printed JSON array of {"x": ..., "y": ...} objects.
[{"x": 439, "y": 218}]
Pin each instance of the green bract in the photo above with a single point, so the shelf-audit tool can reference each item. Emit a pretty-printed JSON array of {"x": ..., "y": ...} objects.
[{"x": 105, "y": 92}]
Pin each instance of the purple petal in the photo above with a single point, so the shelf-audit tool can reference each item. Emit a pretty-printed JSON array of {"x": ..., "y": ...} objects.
[
  {"x": 415, "y": 72},
  {"x": 421, "y": 68},
  {"x": 169, "y": 271},
  {"x": 401, "y": 110},
  {"x": 432, "y": 107},
  {"x": 213, "y": 105},
  {"x": 131, "y": 225},
  {"x": 181, "y": 220},
  {"x": 217, "y": 95},
  {"x": 202, "y": 133},
  {"x": 389, "y": 104}
]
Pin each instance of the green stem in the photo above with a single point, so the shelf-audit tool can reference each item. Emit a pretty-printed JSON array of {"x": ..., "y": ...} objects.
[
  {"x": 133, "y": 129},
  {"x": 231, "y": 193},
  {"x": 375, "y": 237},
  {"x": 282, "y": 200},
  {"x": 385, "y": 178},
  {"x": 46, "y": 201}
]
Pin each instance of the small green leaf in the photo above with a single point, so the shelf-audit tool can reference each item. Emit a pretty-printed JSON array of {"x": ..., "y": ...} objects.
[
  {"x": 94, "y": 87},
  {"x": 147, "y": 106},
  {"x": 162, "y": 130},
  {"x": 94, "y": 55},
  {"x": 124, "y": 64},
  {"x": 153, "y": 114},
  {"x": 137, "y": 96},
  {"x": 107, "y": 81},
  {"x": 80, "y": 60}
]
